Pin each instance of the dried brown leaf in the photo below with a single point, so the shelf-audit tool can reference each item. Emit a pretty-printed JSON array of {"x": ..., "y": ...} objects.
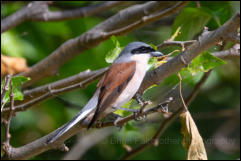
[
  {"x": 12, "y": 65},
  {"x": 192, "y": 140}
]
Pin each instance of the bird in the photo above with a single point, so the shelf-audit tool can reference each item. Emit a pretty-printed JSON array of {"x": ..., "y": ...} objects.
[{"x": 117, "y": 86}]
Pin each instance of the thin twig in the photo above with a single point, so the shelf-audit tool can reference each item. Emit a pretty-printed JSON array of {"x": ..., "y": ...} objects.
[
  {"x": 233, "y": 52},
  {"x": 38, "y": 91},
  {"x": 6, "y": 143},
  {"x": 146, "y": 112},
  {"x": 180, "y": 91},
  {"x": 5, "y": 89},
  {"x": 166, "y": 44},
  {"x": 54, "y": 92}
]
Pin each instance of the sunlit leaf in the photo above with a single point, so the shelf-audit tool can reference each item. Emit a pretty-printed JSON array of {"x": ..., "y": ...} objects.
[
  {"x": 113, "y": 53},
  {"x": 204, "y": 62},
  {"x": 153, "y": 46}
]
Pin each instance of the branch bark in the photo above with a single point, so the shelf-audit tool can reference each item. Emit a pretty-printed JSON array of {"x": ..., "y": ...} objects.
[
  {"x": 233, "y": 52},
  {"x": 205, "y": 41},
  {"x": 39, "y": 11},
  {"x": 119, "y": 24},
  {"x": 39, "y": 94},
  {"x": 40, "y": 145}
]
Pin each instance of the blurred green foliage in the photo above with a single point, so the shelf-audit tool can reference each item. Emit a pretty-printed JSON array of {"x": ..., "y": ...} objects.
[{"x": 36, "y": 40}]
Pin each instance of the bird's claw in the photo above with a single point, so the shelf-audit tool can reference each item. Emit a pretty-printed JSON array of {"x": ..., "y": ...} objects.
[
  {"x": 116, "y": 122},
  {"x": 139, "y": 118}
]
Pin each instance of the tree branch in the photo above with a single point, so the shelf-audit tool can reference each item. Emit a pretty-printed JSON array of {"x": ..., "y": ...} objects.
[
  {"x": 50, "y": 65},
  {"x": 38, "y": 11},
  {"x": 40, "y": 145},
  {"x": 205, "y": 41},
  {"x": 230, "y": 53},
  {"x": 182, "y": 44},
  {"x": 75, "y": 79},
  {"x": 51, "y": 90},
  {"x": 5, "y": 89},
  {"x": 6, "y": 144}
]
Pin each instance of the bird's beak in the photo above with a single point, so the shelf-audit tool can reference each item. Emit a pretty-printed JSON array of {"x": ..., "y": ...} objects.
[{"x": 156, "y": 54}]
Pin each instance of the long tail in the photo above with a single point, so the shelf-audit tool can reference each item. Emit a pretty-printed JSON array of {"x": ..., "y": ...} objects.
[{"x": 89, "y": 108}]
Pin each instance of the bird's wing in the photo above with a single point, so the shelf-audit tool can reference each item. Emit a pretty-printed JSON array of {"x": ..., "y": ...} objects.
[{"x": 112, "y": 84}]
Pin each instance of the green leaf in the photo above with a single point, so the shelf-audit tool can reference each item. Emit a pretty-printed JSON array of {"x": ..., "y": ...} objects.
[
  {"x": 17, "y": 82},
  {"x": 220, "y": 12},
  {"x": 153, "y": 46},
  {"x": 204, "y": 63},
  {"x": 191, "y": 20},
  {"x": 152, "y": 63},
  {"x": 113, "y": 53}
]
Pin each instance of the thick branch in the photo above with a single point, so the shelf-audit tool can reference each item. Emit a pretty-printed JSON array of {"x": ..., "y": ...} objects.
[
  {"x": 50, "y": 65},
  {"x": 40, "y": 145},
  {"x": 183, "y": 59},
  {"x": 78, "y": 78},
  {"x": 38, "y": 11},
  {"x": 46, "y": 91}
]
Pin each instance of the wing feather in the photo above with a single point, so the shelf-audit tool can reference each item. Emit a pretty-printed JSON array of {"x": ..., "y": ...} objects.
[{"x": 112, "y": 84}]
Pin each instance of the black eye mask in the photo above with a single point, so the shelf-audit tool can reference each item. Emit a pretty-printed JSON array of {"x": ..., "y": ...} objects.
[{"x": 142, "y": 50}]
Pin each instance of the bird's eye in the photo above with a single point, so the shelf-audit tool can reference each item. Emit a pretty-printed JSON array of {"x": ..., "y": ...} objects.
[{"x": 142, "y": 49}]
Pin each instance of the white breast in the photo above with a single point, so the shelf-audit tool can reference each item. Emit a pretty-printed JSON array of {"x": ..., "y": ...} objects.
[{"x": 135, "y": 82}]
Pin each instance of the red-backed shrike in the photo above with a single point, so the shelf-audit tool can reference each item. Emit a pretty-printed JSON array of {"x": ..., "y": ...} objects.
[{"x": 117, "y": 86}]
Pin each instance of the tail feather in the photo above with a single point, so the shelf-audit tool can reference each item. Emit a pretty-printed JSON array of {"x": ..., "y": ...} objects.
[
  {"x": 88, "y": 109},
  {"x": 79, "y": 117}
]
